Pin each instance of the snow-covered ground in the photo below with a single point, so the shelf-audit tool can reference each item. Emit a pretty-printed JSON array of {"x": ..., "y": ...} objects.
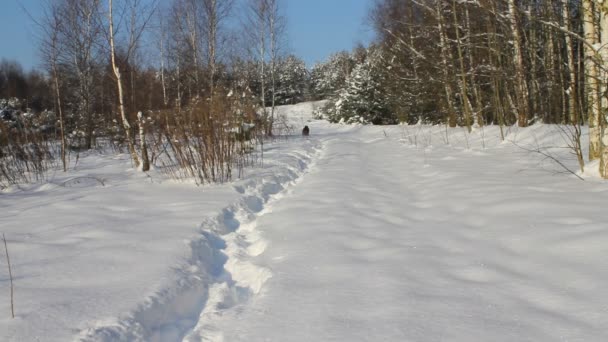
[{"x": 357, "y": 233}]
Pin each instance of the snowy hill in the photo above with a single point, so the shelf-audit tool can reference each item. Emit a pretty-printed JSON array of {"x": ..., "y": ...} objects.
[{"x": 357, "y": 233}]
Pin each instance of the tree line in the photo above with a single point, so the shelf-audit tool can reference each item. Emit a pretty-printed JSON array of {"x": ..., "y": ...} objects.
[
  {"x": 202, "y": 72},
  {"x": 475, "y": 63}
]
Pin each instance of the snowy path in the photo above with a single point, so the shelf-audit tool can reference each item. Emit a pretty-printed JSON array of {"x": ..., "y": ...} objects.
[{"x": 376, "y": 245}]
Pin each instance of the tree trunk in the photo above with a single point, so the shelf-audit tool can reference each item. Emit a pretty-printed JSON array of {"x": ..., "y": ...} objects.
[
  {"x": 521, "y": 88},
  {"x": 273, "y": 27},
  {"x": 61, "y": 119},
  {"x": 123, "y": 114},
  {"x": 603, "y": 56},
  {"x": 462, "y": 82},
  {"x": 476, "y": 92},
  {"x": 532, "y": 94},
  {"x": 162, "y": 62},
  {"x": 261, "y": 17},
  {"x": 213, "y": 21},
  {"x": 145, "y": 165},
  {"x": 452, "y": 122},
  {"x": 593, "y": 102},
  {"x": 573, "y": 115}
]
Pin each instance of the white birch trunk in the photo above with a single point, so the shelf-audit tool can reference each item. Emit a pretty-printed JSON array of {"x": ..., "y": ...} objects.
[
  {"x": 462, "y": 82},
  {"x": 273, "y": 66},
  {"x": 162, "y": 64},
  {"x": 444, "y": 59},
  {"x": 179, "y": 84},
  {"x": 54, "y": 21},
  {"x": 602, "y": 119},
  {"x": 572, "y": 98},
  {"x": 274, "y": 28},
  {"x": 61, "y": 119},
  {"x": 521, "y": 89},
  {"x": 212, "y": 17},
  {"x": 192, "y": 24},
  {"x": 145, "y": 165},
  {"x": 591, "y": 71},
  {"x": 476, "y": 94},
  {"x": 262, "y": 41},
  {"x": 123, "y": 114}
]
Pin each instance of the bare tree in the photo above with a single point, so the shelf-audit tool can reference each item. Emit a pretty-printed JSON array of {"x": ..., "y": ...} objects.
[
  {"x": 256, "y": 26},
  {"x": 119, "y": 84},
  {"x": 81, "y": 33},
  {"x": 162, "y": 47},
  {"x": 446, "y": 57},
  {"x": 51, "y": 26},
  {"x": 462, "y": 82},
  {"x": 276, "y": 30},
  {"x": 186, "y": 24},
  {"x": 215, "y": 12},
  {"x": 140, "y": 15}
]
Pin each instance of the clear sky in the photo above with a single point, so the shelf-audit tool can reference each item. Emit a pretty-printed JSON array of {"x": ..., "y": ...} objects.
[
  {"x": 316, "y": 28},
  {"x": 17, "y": 32}
]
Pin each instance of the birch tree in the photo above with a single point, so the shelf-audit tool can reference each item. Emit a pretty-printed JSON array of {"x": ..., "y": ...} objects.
[
  {"x": 257, "y": 29},
  {"x": 215, "y": 12},
  {"x": 162, "y": 51},
  {"x": 603, "y": 114},
  {"x": 521, "y": 89},
  {"x": 446, "y": 58},
  {"x": 573, "y": 106},
  {"x": 51, "y": 51},
  {"x": 119, "y": 85},
  {"x": 140, "y": 16},
  {"x": 82, "y": 34},
  {"x": 186, "y": 22},
  {"x": 462, "y": 82},
  {"x": 276, "y": 27},
  {"x": 592, "y": 77}
]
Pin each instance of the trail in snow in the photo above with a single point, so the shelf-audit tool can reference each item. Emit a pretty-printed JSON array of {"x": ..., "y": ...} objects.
[
  {"x": 105, "y": 253},
  {"x": 383, "y": 241},
  {"x": 220, "y": 273},
  {"x": 246, "y": 277}
]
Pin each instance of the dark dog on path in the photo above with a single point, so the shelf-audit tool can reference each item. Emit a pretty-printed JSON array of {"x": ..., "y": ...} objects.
[{"x": 306, "y": 131}]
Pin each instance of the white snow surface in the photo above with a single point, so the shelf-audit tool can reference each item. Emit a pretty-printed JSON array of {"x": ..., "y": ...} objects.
[{"x": 357, "y": 233}]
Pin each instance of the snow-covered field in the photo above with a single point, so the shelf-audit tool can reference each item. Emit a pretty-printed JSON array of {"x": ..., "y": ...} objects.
[{"x": 357, "y": 233}]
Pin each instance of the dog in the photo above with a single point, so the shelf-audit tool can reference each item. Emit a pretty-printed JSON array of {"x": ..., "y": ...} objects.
[{"x": 306, "y": 131}]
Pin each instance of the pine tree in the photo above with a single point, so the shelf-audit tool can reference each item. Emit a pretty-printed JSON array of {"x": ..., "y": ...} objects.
[
  {"x": 328, "y": 78},
  {"x": 292, "y": 79},
  {"x": 363, "y": 99}
]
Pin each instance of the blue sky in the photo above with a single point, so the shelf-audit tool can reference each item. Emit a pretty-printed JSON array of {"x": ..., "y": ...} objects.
[
  {"x": 17, "y": 33},
  {"x": 316, "y": 28},
  {"x": 319, "y": 27}
]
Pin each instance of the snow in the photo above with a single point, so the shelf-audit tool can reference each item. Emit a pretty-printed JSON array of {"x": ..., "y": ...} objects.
[
  {"x": 357, "y": 233},
  {"x": 480, "y": 245}
]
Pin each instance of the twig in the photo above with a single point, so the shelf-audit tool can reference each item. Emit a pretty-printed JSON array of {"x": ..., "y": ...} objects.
[
  {"x": 10, "y": 275},
  {"x": 549, "y": 156}
]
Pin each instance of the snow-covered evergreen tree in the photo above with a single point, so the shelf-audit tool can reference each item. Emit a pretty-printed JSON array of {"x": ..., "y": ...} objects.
[
  {"x": 329, "y": 77},
  {"x": 363, "y": 99},
  {"x": 292, "y": 81}
]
